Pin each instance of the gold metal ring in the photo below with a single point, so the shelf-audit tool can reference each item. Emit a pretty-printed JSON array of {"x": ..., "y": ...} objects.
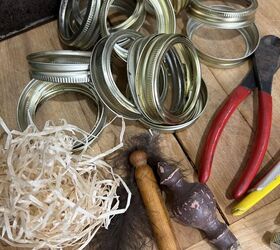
[
  {"x": 251, "y": 38},
  {"x": 38, "y": 91},
  {"x": 223, "y": 16}
]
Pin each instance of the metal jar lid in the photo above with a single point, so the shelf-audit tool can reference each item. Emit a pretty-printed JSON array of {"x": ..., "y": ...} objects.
[
  {"x": 223, "y": 16},
  {"x": 102, "y": 77},
  {"x": 133, "y": 22},
  {"x": 165, "y": 16},
  {"x": 251, "y": 37},
  {"x": 196, "y": 113},
  {"x": 86, "y": 28},
  {"x": 38, "y": 91},
  {"x": 169, "y": 71},
  {"x": 61, "y": 66},
  {"x": 146, "y": 78}
]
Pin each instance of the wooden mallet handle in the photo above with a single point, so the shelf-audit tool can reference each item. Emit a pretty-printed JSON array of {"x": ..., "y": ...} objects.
[{"x": 153, "y": 202}]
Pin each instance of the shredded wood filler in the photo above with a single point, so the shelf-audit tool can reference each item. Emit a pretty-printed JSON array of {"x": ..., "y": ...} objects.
[{"x": 51, "y": 197}]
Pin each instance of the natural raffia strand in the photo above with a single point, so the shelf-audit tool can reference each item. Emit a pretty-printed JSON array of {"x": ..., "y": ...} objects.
[{"x": 50, "y": 197}]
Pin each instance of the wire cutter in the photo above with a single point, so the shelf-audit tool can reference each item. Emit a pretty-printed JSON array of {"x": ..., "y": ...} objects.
[{"x": 266, "y": 61}]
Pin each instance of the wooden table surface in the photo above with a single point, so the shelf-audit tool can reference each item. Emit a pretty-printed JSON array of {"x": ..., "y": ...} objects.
[{"x": 253, "y": 229}]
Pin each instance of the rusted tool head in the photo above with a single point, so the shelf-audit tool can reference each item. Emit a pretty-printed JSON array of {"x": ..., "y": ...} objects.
[
  {"x": 193, "y": 204},
  {"x": 266, "y": 61}
]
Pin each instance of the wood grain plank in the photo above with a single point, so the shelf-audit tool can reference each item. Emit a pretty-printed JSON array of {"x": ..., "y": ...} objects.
[
  {"x": 233, "y": 145},
  {"x": 253, "y": 231}
]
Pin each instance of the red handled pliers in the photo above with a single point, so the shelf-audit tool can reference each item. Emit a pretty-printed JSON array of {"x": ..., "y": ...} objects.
[{"x": 266, "y": 61}]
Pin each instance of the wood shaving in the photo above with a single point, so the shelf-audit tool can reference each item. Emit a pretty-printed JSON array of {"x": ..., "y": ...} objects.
[{"x": 51, "y": 197}]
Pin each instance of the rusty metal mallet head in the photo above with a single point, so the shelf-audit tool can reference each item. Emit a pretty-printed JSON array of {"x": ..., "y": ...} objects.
[{"x": 193, "y": 204}]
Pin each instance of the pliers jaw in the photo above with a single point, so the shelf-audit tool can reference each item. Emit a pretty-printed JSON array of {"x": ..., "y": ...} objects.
[{"x": 266, "y": 61}]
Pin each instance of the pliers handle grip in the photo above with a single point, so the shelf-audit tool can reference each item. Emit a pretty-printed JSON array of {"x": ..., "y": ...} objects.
[{"x": 260, "y": 143}]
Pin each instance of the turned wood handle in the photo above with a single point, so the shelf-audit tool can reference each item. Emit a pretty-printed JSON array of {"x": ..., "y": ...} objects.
[{"x": 153, "y": 202}]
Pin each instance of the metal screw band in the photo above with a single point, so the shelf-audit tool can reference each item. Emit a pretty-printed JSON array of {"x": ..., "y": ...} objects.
[
  {"x": 88, "y": 30},
  {"x": 223, "y": 16},
  {"x": 38, "y": 91},
  {"x": 61, "y": 66},
  {"x": 134, "y": 22},
  {"x": 102, "y": 77},
  {"x": 146, "y": 78},
  {"x": 251, "y": 38}
]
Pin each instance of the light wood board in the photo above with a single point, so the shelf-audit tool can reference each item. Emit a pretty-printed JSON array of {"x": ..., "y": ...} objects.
[{"x": 184, "y": 146}]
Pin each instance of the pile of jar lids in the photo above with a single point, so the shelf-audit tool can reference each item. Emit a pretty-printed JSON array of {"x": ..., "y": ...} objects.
[
  {"x": 164, "y": 86},
  {"x": 152, "y": 62}
]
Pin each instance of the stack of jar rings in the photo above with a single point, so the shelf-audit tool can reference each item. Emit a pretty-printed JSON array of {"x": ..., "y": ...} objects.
[
  {"x": 55, "y": 73},
  {"x": 81, "y": 27},
  {"x": 152, "y": 63},
  {"x": 224, "y": 17}
]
